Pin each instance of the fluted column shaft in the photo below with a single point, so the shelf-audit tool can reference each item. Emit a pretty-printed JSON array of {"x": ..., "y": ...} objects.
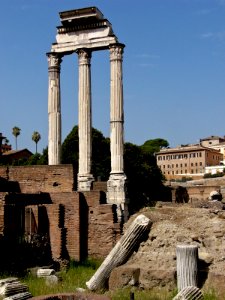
[
  {"x": 85, "y": 178},
  {"x": 54, "y": 109},
  {"x": 116, "y": 109},
  {"x": 116, "y": 185},
  {"x": 121, "y": 251}
]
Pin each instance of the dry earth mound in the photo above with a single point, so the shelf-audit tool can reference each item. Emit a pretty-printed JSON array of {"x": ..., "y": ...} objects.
[{"x": 173, "y": 224}]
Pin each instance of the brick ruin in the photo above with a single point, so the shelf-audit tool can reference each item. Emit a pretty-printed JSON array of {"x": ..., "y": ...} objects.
[{"x": 42, "y": 199}]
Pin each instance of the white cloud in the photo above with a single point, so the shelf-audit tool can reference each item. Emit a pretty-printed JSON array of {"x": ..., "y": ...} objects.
[
  {"x": 147, "y": 65},
  {"x": 204, "y": 11},
  {"x": 207, "y": 35},
  {"x": 221, "y": 2},
  {"x": 220, "y": 35},
  {"x": 146, "y": 55}
]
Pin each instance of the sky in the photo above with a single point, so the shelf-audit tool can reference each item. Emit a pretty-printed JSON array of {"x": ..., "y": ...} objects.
[{"x": 173, "y": 69}]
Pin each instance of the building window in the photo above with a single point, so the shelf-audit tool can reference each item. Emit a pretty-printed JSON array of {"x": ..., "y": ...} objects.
[
  {"x": 200, "y": 164},
  {"x": 192, "y": 164},
  {"x": 200, "y": 154},
  {"x": 176, "y": 165},
  {"x": 196, "y": 164},
  {"x": 185, "y": 171},
  {"x": 181, "y": 165}
]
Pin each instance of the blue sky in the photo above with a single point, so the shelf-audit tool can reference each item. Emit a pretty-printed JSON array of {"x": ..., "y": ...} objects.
[{"x": 173, "y": 69}]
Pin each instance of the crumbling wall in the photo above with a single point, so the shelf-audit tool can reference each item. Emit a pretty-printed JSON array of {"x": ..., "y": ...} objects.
[
  {"x": 80, "y": 224},
  {"x": 102, "y": 225},
  {"x": 198, "y": 190},
  {"x": 35, "y": 179}
]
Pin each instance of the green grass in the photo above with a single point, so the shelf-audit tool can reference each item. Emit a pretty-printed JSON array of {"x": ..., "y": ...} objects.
[
  {"x": 155, "y": 294},
  {"x": 78, "y": 274}
]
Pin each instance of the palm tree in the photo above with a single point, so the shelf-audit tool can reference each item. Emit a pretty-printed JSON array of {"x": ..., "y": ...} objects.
[
  {"x": 36, "y": 138},
  {"x": 16, "y": 132}
]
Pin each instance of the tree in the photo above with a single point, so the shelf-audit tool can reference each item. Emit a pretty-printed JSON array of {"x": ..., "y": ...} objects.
[
  {"x": 153, "y": 146},
  {"x": 100, "y": 152},
  {"x": 36, "y": 138},
  {"x": 6, "y": 141},
  {"x": 16, "y": 132},
  {"x": 144, "y": 177}
]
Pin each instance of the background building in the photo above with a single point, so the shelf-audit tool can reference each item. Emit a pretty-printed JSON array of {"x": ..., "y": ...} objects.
[
  {"x": 215, "y": 142},
  {"x": 187, "y": 161}
]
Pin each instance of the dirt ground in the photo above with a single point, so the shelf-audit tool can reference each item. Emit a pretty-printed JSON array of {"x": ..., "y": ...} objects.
[{"x": 202, "y": 224}]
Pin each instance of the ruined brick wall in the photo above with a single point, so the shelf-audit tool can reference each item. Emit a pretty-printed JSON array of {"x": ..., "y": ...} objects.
[
  {"x": 80, "y": 224},
  {"x": 35, "y": 179},
  {"x": 200, "y": 192},
  {"x": 64, "y": 225},
  {"x": 2, "y": 197},
  {"x": 103, "y": 232}
]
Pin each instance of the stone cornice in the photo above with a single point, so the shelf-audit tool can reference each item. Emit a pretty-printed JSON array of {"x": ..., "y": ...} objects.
[{"x": 82, "y": 27}]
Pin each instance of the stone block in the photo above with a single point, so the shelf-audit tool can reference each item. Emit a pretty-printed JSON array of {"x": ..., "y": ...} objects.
[{"x": 123, "y": 276}]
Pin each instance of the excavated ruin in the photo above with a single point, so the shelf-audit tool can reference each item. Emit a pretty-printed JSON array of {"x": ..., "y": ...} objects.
[{"x": 154, "y": 264}]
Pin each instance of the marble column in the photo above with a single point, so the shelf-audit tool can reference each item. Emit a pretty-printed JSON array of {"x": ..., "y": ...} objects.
[
  {"x": 54, "y": 109},
  {"x": 116, "y": 185},
  {"x": 85, "y": 178}
]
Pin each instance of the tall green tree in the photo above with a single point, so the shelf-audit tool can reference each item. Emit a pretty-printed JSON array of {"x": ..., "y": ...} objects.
[
  {"x": 144, "y": 178},
  {"x": 100, "y": 152},
  {"x": 36, "y": 138},
  {"x": 153, "y": 146},
  {"x": 16, "y": 132}
]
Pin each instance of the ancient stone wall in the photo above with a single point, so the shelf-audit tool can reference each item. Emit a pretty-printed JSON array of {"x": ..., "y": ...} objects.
[
  {"x": 101, "y": 219},
  {"x": 35, "y": 179},
  {"x": 198, "y": 190},
  {"x": 79, "y": 224}
]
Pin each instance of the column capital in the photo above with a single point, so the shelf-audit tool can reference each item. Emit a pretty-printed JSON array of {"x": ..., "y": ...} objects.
[
  {"x": 84, "y": 56},
  {"x": 54, "y": 60},
  {"x": 116, "y": 51}
]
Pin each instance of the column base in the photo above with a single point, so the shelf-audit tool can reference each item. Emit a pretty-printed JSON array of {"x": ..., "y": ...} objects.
[
  {"x": 84, "y": 182},
  {"x": 117, "y": 194}
]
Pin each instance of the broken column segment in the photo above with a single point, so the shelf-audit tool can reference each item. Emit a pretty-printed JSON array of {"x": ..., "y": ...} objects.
[
  {"x": 121, "y": 252},
  {"x": 11, "y": 286},
  {"x": 187, "y": 260},
  {"x": 189, "y": 292}
]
